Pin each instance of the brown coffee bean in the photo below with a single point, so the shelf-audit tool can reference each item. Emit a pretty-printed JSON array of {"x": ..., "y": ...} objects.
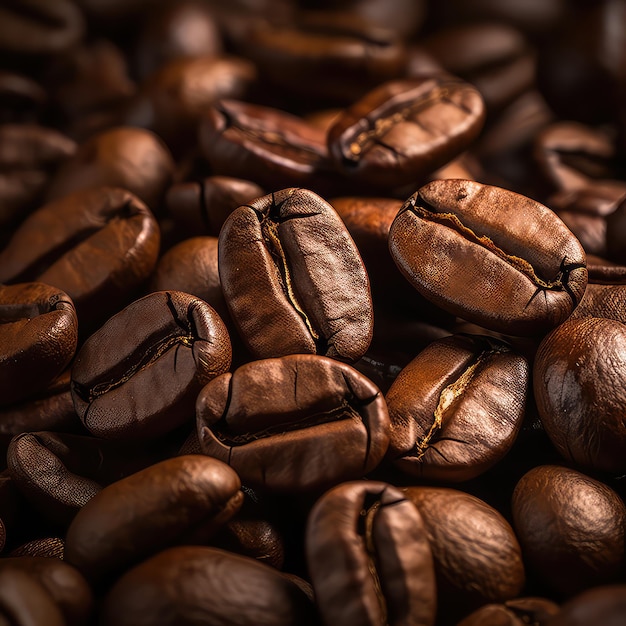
[
  {"x": 577, "y": 380},
  {"x": 601, "y": 605},
  {"x": 108, "y": 230},
  {"x": 608, "y": 301},
  {"x": 295, "y": 423},
  {"x": 571, "y": 528},
  {"x": 403, "y": 130},
  {"x": 38, "y": 338},
  {"x": 519, "y": 612},
  {"x": 477, "y": 556},
  {"x": 369, "y": 557},
  {"x": 48, "y": 547},
  {"x": 489, "y": 255},
  {"x": 180, "y": 500},
  {"x": 127, "y": 157},
  {"x": 457, "y": 408},
  {"x": 200, "y": 586},
  {"x": 138, "y": 375},
  {"x": 293, "y": 279}
]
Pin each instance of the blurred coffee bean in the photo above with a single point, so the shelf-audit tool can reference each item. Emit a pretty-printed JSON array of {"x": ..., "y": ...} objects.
[
  {"x": 520, "y": 612},
  {"x": 602, "y": 605},
  {"x": 131, "y": 158},
  {"x": 21, "y": 98},
  {"x": 571, "y": 528}
]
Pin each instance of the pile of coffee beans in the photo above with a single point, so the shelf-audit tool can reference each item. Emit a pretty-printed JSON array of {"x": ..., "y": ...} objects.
[{"x": 313, "y": 313}]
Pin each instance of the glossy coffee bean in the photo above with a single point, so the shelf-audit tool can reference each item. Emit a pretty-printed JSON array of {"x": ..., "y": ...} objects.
[
  {"x": 139, "y": 374},
  {"x": 270, "y": 147},
  {"x": 293, "y": 279},
  {"x": 571, "y": 528},
  {"x": 201, "y": 208},
  {"x": 29, "y": 156},
  {"x": 608, "y": 301},
  {"x": 490, "y": 256},
  {"x": 200, "y": 586},
  {"x": 127, "y": 157},
  {"x": 576, "y": 379},
  {"x": 403, "y": 130},
  {"x": 477, "y": 556},
  {"x": 180, "y": 500},
  {"x": 457, "y": 408},
  {"x": 369, "y": 557},
  {"x": 108, "y": 230},
  {"x": 295, "y": 423},
  {"x": 38, "y": 338}
]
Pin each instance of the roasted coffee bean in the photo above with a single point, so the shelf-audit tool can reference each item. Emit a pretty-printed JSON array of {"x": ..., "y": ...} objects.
[
  {"x": 403, "y": 130},
  {"x": 605, "y": 272},
  {"x": 127, "y": 157},
  {"x": 201, "y": 208},
  {"x": 492, "y": 56},
  {"x": 172, "y": 101},
  {"x": 48, "y": 547},
  {"x": 369, "y": 557},
  {"x": 293, "y": 279},
  {"x": 616, "y": 233},
  {"x": 326, "y": 59},
  {"x": 265, "y": 145},
  {"x": 38, "y": 27},
  {"x": 520, "y": 612},
  {"x": 138, "y": 375},
  {"x": 21, "y": 98},
  {"x": 180, "y": 500},
  {"x": 29, "y": 155},
  {"x": 191, "y": 266},
  {"x": 173, "y": 31},
  {"x": 200, "y": 586},
  {"x": 295, "y": 423},
  {"x": 489, "y": 255},
  {"x": 608, "y": 301},
  {"x": 576, "y": 379},
  {"x": 457, "y": 408},
  {"x": 107, "y": 230},
  {"x": 67, "y": 587},
  {"x": 602, "y": 605},
  {"x": 571, "y": 528},
  {"x": 25, "y": 602},
  {"x": 477, "y": 557},
  {"x": 38, "y": 338}
]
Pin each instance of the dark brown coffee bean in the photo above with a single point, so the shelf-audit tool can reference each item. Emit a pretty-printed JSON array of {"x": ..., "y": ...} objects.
[
  {"x": 477, "y": 556},
  {"x": 199, "y": 586},
  {"x": 67, "y": 587},
  {"x": 172, "y": 102},
  {"x": 616, "y": 233},
  {"x": 108, "y": 230},
  {"x": 519, "y": 612},
  {"x": 601, "y": 605},
  {"x": 180, "y": 500},
  {"x": 38, "y": 27},
  {"x": 457, "y": 408},
  {"x": 48, "y": 547},
  {"x": 293, "y": 279},
  {"x": 489, "y": 255},
  {"x": 203, "y": 207},
  {"x": 300, "y": 422},
  {"x": 173, "y": 31},
  {"x": 492, "y": 56},
  {"x": 403, "y": 130},
  {"x": 571, "y": 528},
  {"x": 131, "y": 158},
  {"x": 270, "y": 147},
  {"x": 25, "y": 602},
  {"x": 29, "y": 156},
  {"x": 369, "y": 557},
  {"x": 605, "y": 272},
  {"x": 326, "y": 59},
  {"x": 38, "y": 338},
  {"x": 21, "y": 98},
  {"x": 576, "y": 378},
  {"x": 138, "y": 375},
  {"x": 608, "y": 301}
]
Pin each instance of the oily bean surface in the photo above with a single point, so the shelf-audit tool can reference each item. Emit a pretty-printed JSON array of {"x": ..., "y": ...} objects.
[
  {"x": 299, "y": 422},
  {"x": 489, "y": 255},
  {"x": 293, "y": 279}
]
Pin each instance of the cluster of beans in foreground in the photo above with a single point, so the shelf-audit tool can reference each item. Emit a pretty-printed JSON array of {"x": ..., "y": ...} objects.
[{"x": 313, "y": 313}]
